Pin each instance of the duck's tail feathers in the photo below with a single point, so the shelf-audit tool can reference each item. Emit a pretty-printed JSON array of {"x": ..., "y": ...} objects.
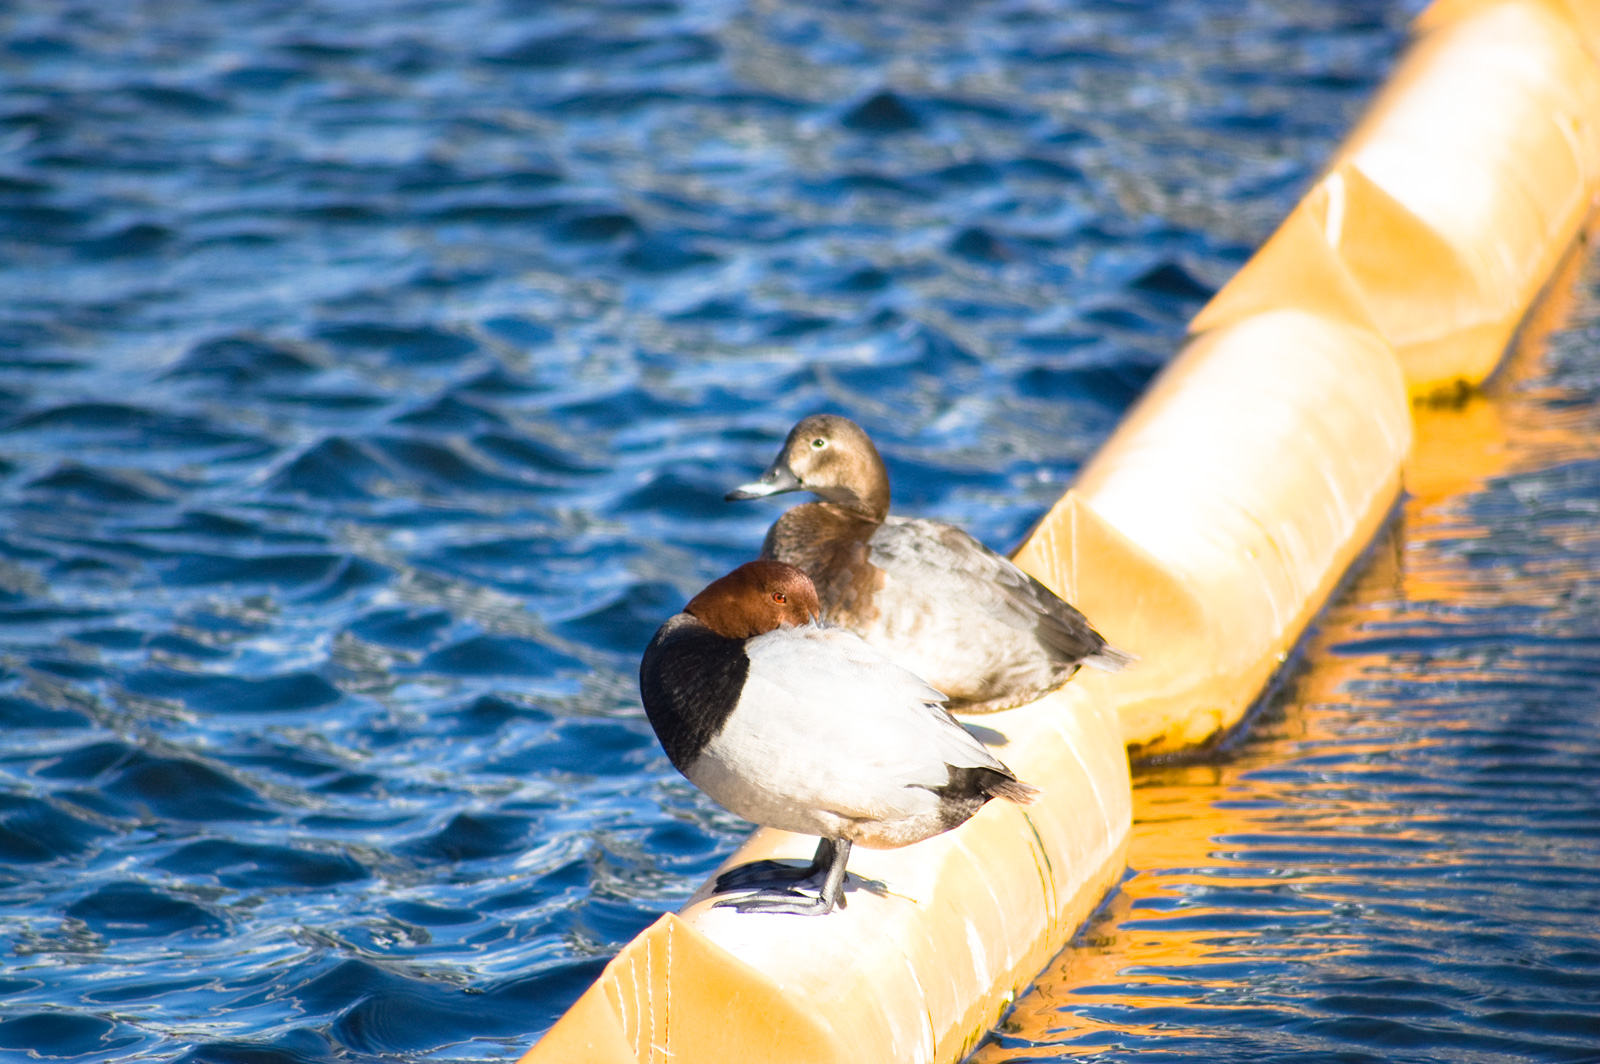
[
  {"x": 1014, "y": 791},
  {"x": 1109, "y": 659}
]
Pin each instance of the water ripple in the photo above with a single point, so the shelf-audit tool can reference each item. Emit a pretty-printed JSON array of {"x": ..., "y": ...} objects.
[{"x": 372, "y": 375}]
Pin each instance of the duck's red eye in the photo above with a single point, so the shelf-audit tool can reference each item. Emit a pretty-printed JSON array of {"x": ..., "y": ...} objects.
[{"x": 779, "y": 597}]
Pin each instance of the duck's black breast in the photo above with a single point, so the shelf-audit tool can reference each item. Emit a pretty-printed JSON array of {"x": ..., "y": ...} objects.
[{"x": 690, "y": 680}]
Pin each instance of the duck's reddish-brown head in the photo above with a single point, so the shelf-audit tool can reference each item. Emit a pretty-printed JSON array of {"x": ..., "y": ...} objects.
[{"x": 754, "y": 599}]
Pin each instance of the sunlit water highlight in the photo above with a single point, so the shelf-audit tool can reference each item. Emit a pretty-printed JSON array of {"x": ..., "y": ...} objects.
[{"x": 1401, "y": 860}]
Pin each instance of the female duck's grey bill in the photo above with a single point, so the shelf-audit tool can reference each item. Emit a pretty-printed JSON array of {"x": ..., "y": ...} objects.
[{"x": 778, "y": 479}]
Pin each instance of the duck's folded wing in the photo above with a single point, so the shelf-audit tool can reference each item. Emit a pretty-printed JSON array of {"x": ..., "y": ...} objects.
[
  {"x": 946, "y": 563},
  {"x": 832, "y": 723}
]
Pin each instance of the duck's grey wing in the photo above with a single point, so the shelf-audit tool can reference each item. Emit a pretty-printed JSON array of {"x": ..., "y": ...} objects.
[{"x": 950, "y": 565}]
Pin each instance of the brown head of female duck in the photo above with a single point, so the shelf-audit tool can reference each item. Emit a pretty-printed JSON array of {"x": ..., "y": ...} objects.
[{"x": 926, "y": 594}]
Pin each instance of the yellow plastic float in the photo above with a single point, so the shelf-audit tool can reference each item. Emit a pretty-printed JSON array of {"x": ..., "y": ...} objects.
[
  {"x": 1454, "y": 201},
  {"x": 1217, "y": 519},
  {"x": 1204, "y": 536}
]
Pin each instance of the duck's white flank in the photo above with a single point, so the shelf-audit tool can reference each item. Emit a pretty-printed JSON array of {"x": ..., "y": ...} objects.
[{"x": 831, "y": 738}]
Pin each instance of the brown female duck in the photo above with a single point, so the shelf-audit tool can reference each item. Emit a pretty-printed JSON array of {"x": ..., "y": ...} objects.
[{"x": 930, "y": 597}]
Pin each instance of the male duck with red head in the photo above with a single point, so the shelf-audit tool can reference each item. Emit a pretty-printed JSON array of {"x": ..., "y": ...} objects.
[
  {"x": 799, "y": 725},
  {"x": 926, "y": 594}
]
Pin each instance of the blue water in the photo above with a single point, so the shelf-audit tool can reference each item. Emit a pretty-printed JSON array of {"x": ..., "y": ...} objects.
[{"x": 371, "y": 377}]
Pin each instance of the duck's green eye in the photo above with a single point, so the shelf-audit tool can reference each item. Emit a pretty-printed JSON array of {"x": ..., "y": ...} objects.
[{"x": 819, "y": 443}]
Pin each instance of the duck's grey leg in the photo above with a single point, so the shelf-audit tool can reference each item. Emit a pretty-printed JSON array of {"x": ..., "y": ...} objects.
[{"x": 786, "y": 901}]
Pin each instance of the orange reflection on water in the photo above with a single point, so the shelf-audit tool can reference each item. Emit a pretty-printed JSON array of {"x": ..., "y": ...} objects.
[
  {"x": 1177, "y": 936},
  {"x": 1140, "y": 950}
]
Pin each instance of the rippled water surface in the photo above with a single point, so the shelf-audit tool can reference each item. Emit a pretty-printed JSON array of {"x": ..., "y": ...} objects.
[
  {"x": 371, "y": 375},
  {"x": 1401, "y": 860}
]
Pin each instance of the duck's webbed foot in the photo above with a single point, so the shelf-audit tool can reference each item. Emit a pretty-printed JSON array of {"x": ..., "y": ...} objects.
[
  {"x": 776, "y": 901},
  {"x": 758, "y": 874},
  {"x": 791, "y": 901}
]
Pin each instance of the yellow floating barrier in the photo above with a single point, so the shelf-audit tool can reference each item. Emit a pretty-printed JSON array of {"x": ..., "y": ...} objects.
[
  {"x": 1256, "y": 469},
  {"x": 1204, "y": 536},
  {"x": 1453, "y": 202}
]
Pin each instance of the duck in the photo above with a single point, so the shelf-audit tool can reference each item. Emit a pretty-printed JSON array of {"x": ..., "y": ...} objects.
[
  {"x": 929, "y": 596},
  {"x": 794, "y": 723}
]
